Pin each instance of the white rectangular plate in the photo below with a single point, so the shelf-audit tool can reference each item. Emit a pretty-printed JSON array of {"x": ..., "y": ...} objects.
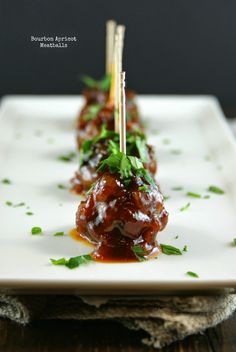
[{"x": 36, "y": 130}]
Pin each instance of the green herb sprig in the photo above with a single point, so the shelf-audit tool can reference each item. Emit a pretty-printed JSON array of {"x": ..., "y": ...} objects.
[
  {"x": 92, "y": 112},
  {"x": 126, "y": 166},
  {"x": 215, "y": 189},
  {"x": 185, "y": 207},
  {"x": 6, "y": 181},
  {"x": 36, "y": 230},
  {"x": 192, "y": 274},
  {"x": 73, "y": 262},
  {"x": 171, "y": 250},
  {"x": 102, "y": 84},
  {"x": 67, "y": 157},
  {"x": 139, "y": 253}
]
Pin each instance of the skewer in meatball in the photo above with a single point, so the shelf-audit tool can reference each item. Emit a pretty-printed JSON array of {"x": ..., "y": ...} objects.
[
  {"x": 97, "y": 149},
  {"x": 92, "y": 117}
]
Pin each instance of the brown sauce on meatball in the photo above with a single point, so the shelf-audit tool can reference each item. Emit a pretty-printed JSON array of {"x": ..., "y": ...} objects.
[
  {"x": 87, "y": 173},
  {"x": 116, "y": 217}
]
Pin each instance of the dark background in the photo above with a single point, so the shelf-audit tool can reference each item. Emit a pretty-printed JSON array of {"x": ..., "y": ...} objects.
[{"x": 171, "y": 47}]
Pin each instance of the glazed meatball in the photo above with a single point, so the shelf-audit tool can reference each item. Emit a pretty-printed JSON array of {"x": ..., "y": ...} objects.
[
  {"x": 92, "y": 117},
  {"x": 117, "y": 216},
  {"x": 88, "y": 174}
]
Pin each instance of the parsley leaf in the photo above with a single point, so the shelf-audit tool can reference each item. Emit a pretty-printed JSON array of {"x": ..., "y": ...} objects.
[
  {"x": 142, "y": 149},
  {"x": 60, "y": 186},
  {"x": 185, "y": 207},
  {"x": 67, "y": 157},
  {"x": 6, "y": 181},
  {"x": 192, "y": 274},
  {"x": 126, "y": 166},
  {"x": 185, "y": 249},
  {"x": 59, "y": 234},
  {"x": 215, "y": 189},
  {"x": 73, "y": 262},
  {"x": 234, "y": 242},
  {"x": 144, "y": 188},
  {"x": 61, "y": 261},
  {"x": 176, "y": 151},
  {"x": 92, "y": 111},
  {"x": 194, "y": 195},
  {"x": 166, "y": 198},
  {"x": 139, "y": 253},
  {"x": 103, "y": 84},
  {"x": 29, "y": 213},
  {"x": 19, "y": 205},
  {"x": 36, "y": 230},
  {"x": 178, "y": 188},
  {"x": 171, "y": 250}
]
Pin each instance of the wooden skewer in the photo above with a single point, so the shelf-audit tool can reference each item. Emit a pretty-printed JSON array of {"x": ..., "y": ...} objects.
[
  {"x": 114, "y": 72},
  {"x": 122, "y": 110},
  {"x": 110, "y": 38},
  {"x": 120, "y": 32}
]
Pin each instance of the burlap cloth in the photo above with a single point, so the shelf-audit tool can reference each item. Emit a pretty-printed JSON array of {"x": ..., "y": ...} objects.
[{"x": 164, "y": 319}]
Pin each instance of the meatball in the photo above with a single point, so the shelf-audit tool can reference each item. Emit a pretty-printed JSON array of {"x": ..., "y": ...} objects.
[
  {"x": 87, "y": 173},
  {"x": 92, "y": 117},
  {"x": 98, "y": 96},
  {"x": 116, "y": 217}
]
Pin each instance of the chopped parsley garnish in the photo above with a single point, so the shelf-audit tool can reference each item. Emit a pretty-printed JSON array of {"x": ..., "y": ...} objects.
[
  {"x": 135, "y": 142},
  {"x": 234, "y": 242},
  {"x": 166, "y": 198},
  {"x": 139, "y": 253},
  {"x": 170, "y": 250},
  {"x": 36, "y": 230},
  {"x": 192, "y": 274},
  {"x": 144, "y": 188},
  {"x": 67, "y": 157},
  {"x": 6, "y": 181},
  {"x": 176, "y": 151},
  {"x": 185, "y": 249},
  {"x": 166, "y": 141},
  {"x": 185, "y": 207},
  {"x": 92, "y": 111},
  {"x": 194, "y": 195},
  {"x": 177, "y": 188},
  {"x": 59, "y": 234},
  {"x": 176, "y": 237},
  {"x": 86, "y": 149},
  {"x": 207, "y": 196},
  {"x": 10, "y": 204},
  {"x": 29, "y": 213},
  {"x": 60, "y": 186},
  {"x": 19, "y": 205},
  {"x": 142, "y": 148},
  {"x": 90, "y": 188},
  {"x": 215, "y": 189},
  {"x": 73, "y": 262},
  {"x": 61, "y": 261},
  {"x": 103, "y": 84},
  {"x": 127, "y": 167}
]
